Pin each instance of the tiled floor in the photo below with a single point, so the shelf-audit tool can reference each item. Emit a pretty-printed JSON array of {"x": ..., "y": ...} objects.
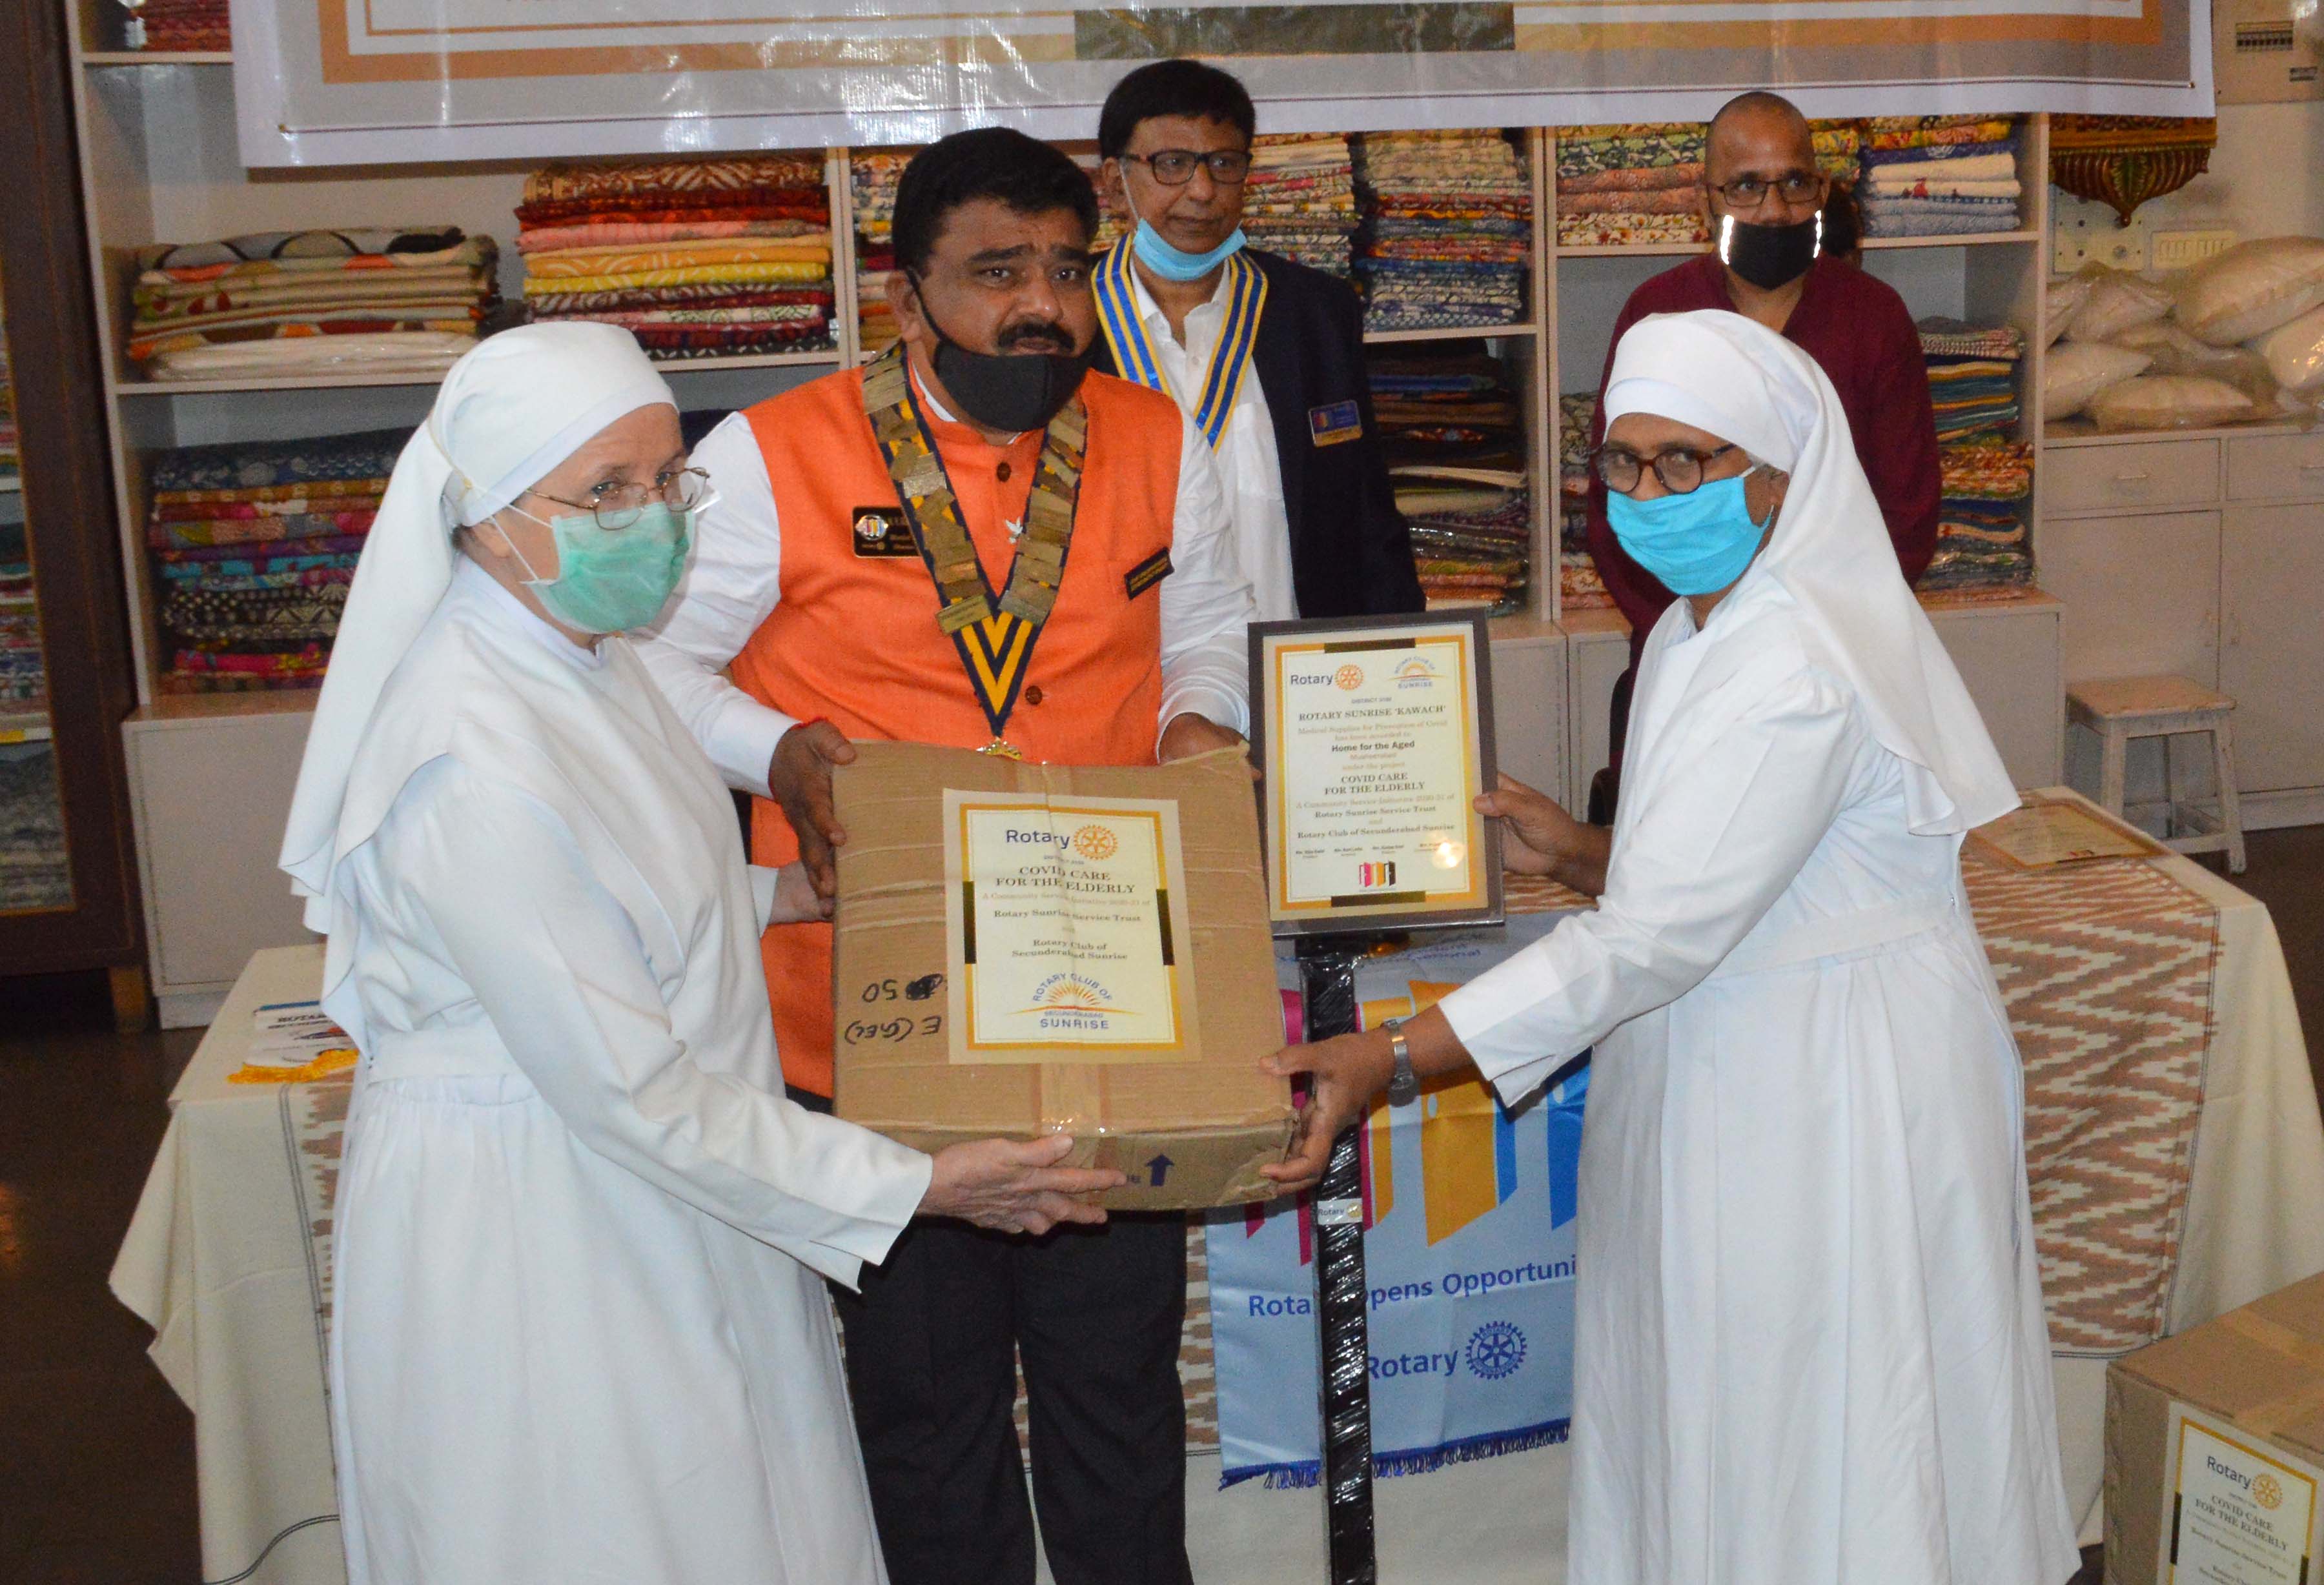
[{"x": 96, "y": 1473}]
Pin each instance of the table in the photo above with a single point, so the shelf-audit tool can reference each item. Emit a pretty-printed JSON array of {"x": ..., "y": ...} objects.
[{"x": 227, "y": 1257}]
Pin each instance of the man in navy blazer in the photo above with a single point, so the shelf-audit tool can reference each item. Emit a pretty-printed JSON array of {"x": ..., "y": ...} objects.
[{"x": 1263, "y": 354}]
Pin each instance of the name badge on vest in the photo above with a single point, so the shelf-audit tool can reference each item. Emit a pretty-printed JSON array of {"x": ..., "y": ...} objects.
[
  {"x": 1333, "y": 422},
  {"x": 882, "y": 530},
  {"x": 1147, "y": 574}
]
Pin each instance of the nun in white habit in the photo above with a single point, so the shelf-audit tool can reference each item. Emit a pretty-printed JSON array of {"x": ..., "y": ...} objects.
[
  {"x": 579, "y": 1329},
  {"x": 1809, "y": 1344}
]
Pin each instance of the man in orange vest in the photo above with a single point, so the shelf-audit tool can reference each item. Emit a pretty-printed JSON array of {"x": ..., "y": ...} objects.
[{"x": 973, "y": 542}]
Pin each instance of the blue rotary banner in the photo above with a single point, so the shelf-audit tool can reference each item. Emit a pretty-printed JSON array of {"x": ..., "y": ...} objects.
[{"x": 1468, "y": 1254}]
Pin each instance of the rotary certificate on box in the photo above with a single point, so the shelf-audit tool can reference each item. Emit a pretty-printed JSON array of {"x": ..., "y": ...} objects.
[
  {"x": 1376, "y": 741},
  {"x": 1063, "y": 925}
]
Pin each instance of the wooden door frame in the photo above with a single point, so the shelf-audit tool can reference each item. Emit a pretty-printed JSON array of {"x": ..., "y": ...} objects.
[{"x": 69, "y": 514}]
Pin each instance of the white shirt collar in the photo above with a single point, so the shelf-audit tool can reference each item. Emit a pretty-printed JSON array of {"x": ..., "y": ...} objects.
[{"x": 1151, "y": 314}]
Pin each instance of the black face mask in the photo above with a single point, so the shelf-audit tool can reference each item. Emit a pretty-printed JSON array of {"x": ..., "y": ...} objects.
[
  {"x": 1016, "y": 392},
  {"x": 1769, "y": 257}
]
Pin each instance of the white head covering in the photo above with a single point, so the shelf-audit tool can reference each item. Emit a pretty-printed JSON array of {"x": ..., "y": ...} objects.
[
  {"x": 1741, "y": 381},
  {"x": 508, "y": 414}
]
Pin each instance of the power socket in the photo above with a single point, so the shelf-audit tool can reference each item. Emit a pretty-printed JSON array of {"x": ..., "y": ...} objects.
[{"x": 2179, "y": 250}]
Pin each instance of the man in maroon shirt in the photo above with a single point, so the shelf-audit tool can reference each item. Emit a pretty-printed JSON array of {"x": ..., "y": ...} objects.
[{"x": 1762, "y": 194}]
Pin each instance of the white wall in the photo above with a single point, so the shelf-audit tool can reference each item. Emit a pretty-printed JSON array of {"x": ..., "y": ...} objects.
[{"x": 2267, "y": 177}]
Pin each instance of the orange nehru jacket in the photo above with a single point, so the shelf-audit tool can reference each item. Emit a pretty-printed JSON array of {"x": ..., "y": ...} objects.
[{"x": 854, "y": 639}]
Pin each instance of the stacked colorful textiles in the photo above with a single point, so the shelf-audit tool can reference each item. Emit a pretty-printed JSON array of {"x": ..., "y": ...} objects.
[
  {"x": 1988, "y": 480},
  {"x": 1939, "y": 176},
  {"x": 292, "y": 303},
  {"x": 1448, "y": 229},
  {"x": 24, "y": 675},
  {"x": 697, "y": 258},
  {"x": 1579, "y": 588},
  {"x": 35, "y": 872},
  {"x": 254, "y": 544},
  {"x": 873, "y": 177},
  {"x": 1628, "y": 185},
  {"x": 178, "y": 24},
  {"x": 1301, "y": 199},
  {"x": 1639, "y": 184},
  {"x": 1451, "y": 430}
]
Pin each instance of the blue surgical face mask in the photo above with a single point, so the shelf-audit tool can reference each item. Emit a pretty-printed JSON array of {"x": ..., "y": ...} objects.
[
  {"x": 1694, "y": 544},
  {"x": 1175, "y": 263},
  {"x": 610, "y": 580}
]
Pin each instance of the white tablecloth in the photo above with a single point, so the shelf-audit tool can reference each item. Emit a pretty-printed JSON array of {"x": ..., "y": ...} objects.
[{"x": 219, "y": 1262}]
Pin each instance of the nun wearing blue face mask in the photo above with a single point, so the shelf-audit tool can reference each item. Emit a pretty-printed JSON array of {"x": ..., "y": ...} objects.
[
  {"x": 1810, "y": 1342},
  {"x": 579, "y": 1327}
]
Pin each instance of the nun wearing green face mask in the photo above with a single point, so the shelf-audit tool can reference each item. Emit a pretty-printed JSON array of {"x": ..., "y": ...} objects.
[
  {"x": 579, "y": 1322},
  {"x": 1811, "y": 1348}
]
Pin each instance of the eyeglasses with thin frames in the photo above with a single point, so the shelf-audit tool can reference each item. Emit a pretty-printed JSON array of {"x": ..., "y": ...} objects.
[
  {"x": 1679, "y": 469},
  {"x": 1749, "y": 192},
  {"x": 619, "y": 506},
  {"x": 1176, "y": 167}
]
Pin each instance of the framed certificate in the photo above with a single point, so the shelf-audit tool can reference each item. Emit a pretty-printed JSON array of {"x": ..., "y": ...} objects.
[{"x": 1375, "y": 734}]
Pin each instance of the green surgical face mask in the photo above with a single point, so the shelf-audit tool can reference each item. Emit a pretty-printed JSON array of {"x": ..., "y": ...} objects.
[{"x": 610, "y": 580}]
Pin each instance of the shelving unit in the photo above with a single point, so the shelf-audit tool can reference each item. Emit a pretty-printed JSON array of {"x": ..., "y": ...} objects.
[
  {"x": 211, "y": 774},
  {"x": 2008, "y": 651}
]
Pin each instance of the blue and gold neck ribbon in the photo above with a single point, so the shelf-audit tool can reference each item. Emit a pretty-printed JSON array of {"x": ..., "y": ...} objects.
[{"x": 1133, "y": 354}]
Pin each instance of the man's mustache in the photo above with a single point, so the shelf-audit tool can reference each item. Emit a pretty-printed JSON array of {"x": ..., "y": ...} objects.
[{"x": 1034, "y": 335}]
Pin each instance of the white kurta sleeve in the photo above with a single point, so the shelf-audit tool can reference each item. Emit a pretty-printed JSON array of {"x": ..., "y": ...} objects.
[
  {"x": 732, "y": 581},
  {"x": 1730, "y": 813},
  {"x": 1207, "y": 601},
  {"x": 556, "y": 966}
]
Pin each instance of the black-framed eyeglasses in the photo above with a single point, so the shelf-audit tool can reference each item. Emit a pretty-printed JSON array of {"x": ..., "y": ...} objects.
[
  {"x": 1679, "y": 469},
  {"x": 619, "y": 506},
  {"x": 1793, "y": 187},
  {"x": 1176, "y": 167}
]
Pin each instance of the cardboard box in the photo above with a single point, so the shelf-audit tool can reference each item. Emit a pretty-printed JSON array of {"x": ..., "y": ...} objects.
[
  {"x": 2215, "y": 1449},
  {"x": 2263, "y": 52},
  {"x": 1189, "y": 1118}
]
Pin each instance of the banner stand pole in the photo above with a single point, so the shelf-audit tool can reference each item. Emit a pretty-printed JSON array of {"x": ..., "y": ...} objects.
[{"x": 1327, "y": 972}]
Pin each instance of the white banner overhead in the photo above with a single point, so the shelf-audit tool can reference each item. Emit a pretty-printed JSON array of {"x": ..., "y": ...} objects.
[{"x": 337, "y": 81}]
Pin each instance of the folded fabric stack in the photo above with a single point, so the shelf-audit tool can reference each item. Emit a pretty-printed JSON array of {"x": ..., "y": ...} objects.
[
  {"x": 1981, "y": 541},
  {"x": 1972, "y": 377},
  {"x": 1301, "y": 199},
  {"x": 1451, "y": 428},
  {"x": 24, "y": 675},
  {"x": 1627, "y": 185},
  {"x": 35, "y": 872},
  {"x": 285, "y": 304},
  {"x": 178, "y": 24},
  {"x": 254, "y": 544},
  {"x": 1579, "y": 588},
  {"x": 1448, "y": 229},
  {"x": 1989, "y": 481},
  {"x": 697, "y": 258},
  {"x": 873, "y": 177},
  {"x": 1939, "y": 176}
]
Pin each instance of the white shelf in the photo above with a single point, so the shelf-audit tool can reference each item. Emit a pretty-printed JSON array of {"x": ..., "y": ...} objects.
[
  {"x": 2073, "y": 432},
  {"x": 157, "y": 57},
  {"x": 1450, "y": 333},
  {"x": 1674, "y": 250},
  {"x": 703, "y": 365}
]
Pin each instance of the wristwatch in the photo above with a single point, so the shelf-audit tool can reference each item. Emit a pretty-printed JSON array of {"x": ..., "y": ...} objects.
[{"x": 1404, "y": 1085}]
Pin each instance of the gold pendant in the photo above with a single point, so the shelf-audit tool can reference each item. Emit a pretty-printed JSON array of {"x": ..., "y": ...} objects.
[{"x": 1002, "y": 749}]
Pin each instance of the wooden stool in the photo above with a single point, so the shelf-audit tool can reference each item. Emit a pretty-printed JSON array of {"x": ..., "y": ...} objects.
[{"x": 2122, "y": 708}]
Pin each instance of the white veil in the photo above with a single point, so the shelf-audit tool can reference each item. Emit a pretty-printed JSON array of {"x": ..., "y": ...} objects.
[
  {"x": 507, "y": 414},
  {"x": 1831, "y": 551}
]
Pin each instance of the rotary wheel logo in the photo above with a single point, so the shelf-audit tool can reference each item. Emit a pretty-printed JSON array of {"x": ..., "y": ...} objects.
[
  {"x": 1095, "y": 842},
  {"x": 2268, "y": 1492},
  {"x": 1496, "y": 1350},
  {"x": 1350, "y": 677}
]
